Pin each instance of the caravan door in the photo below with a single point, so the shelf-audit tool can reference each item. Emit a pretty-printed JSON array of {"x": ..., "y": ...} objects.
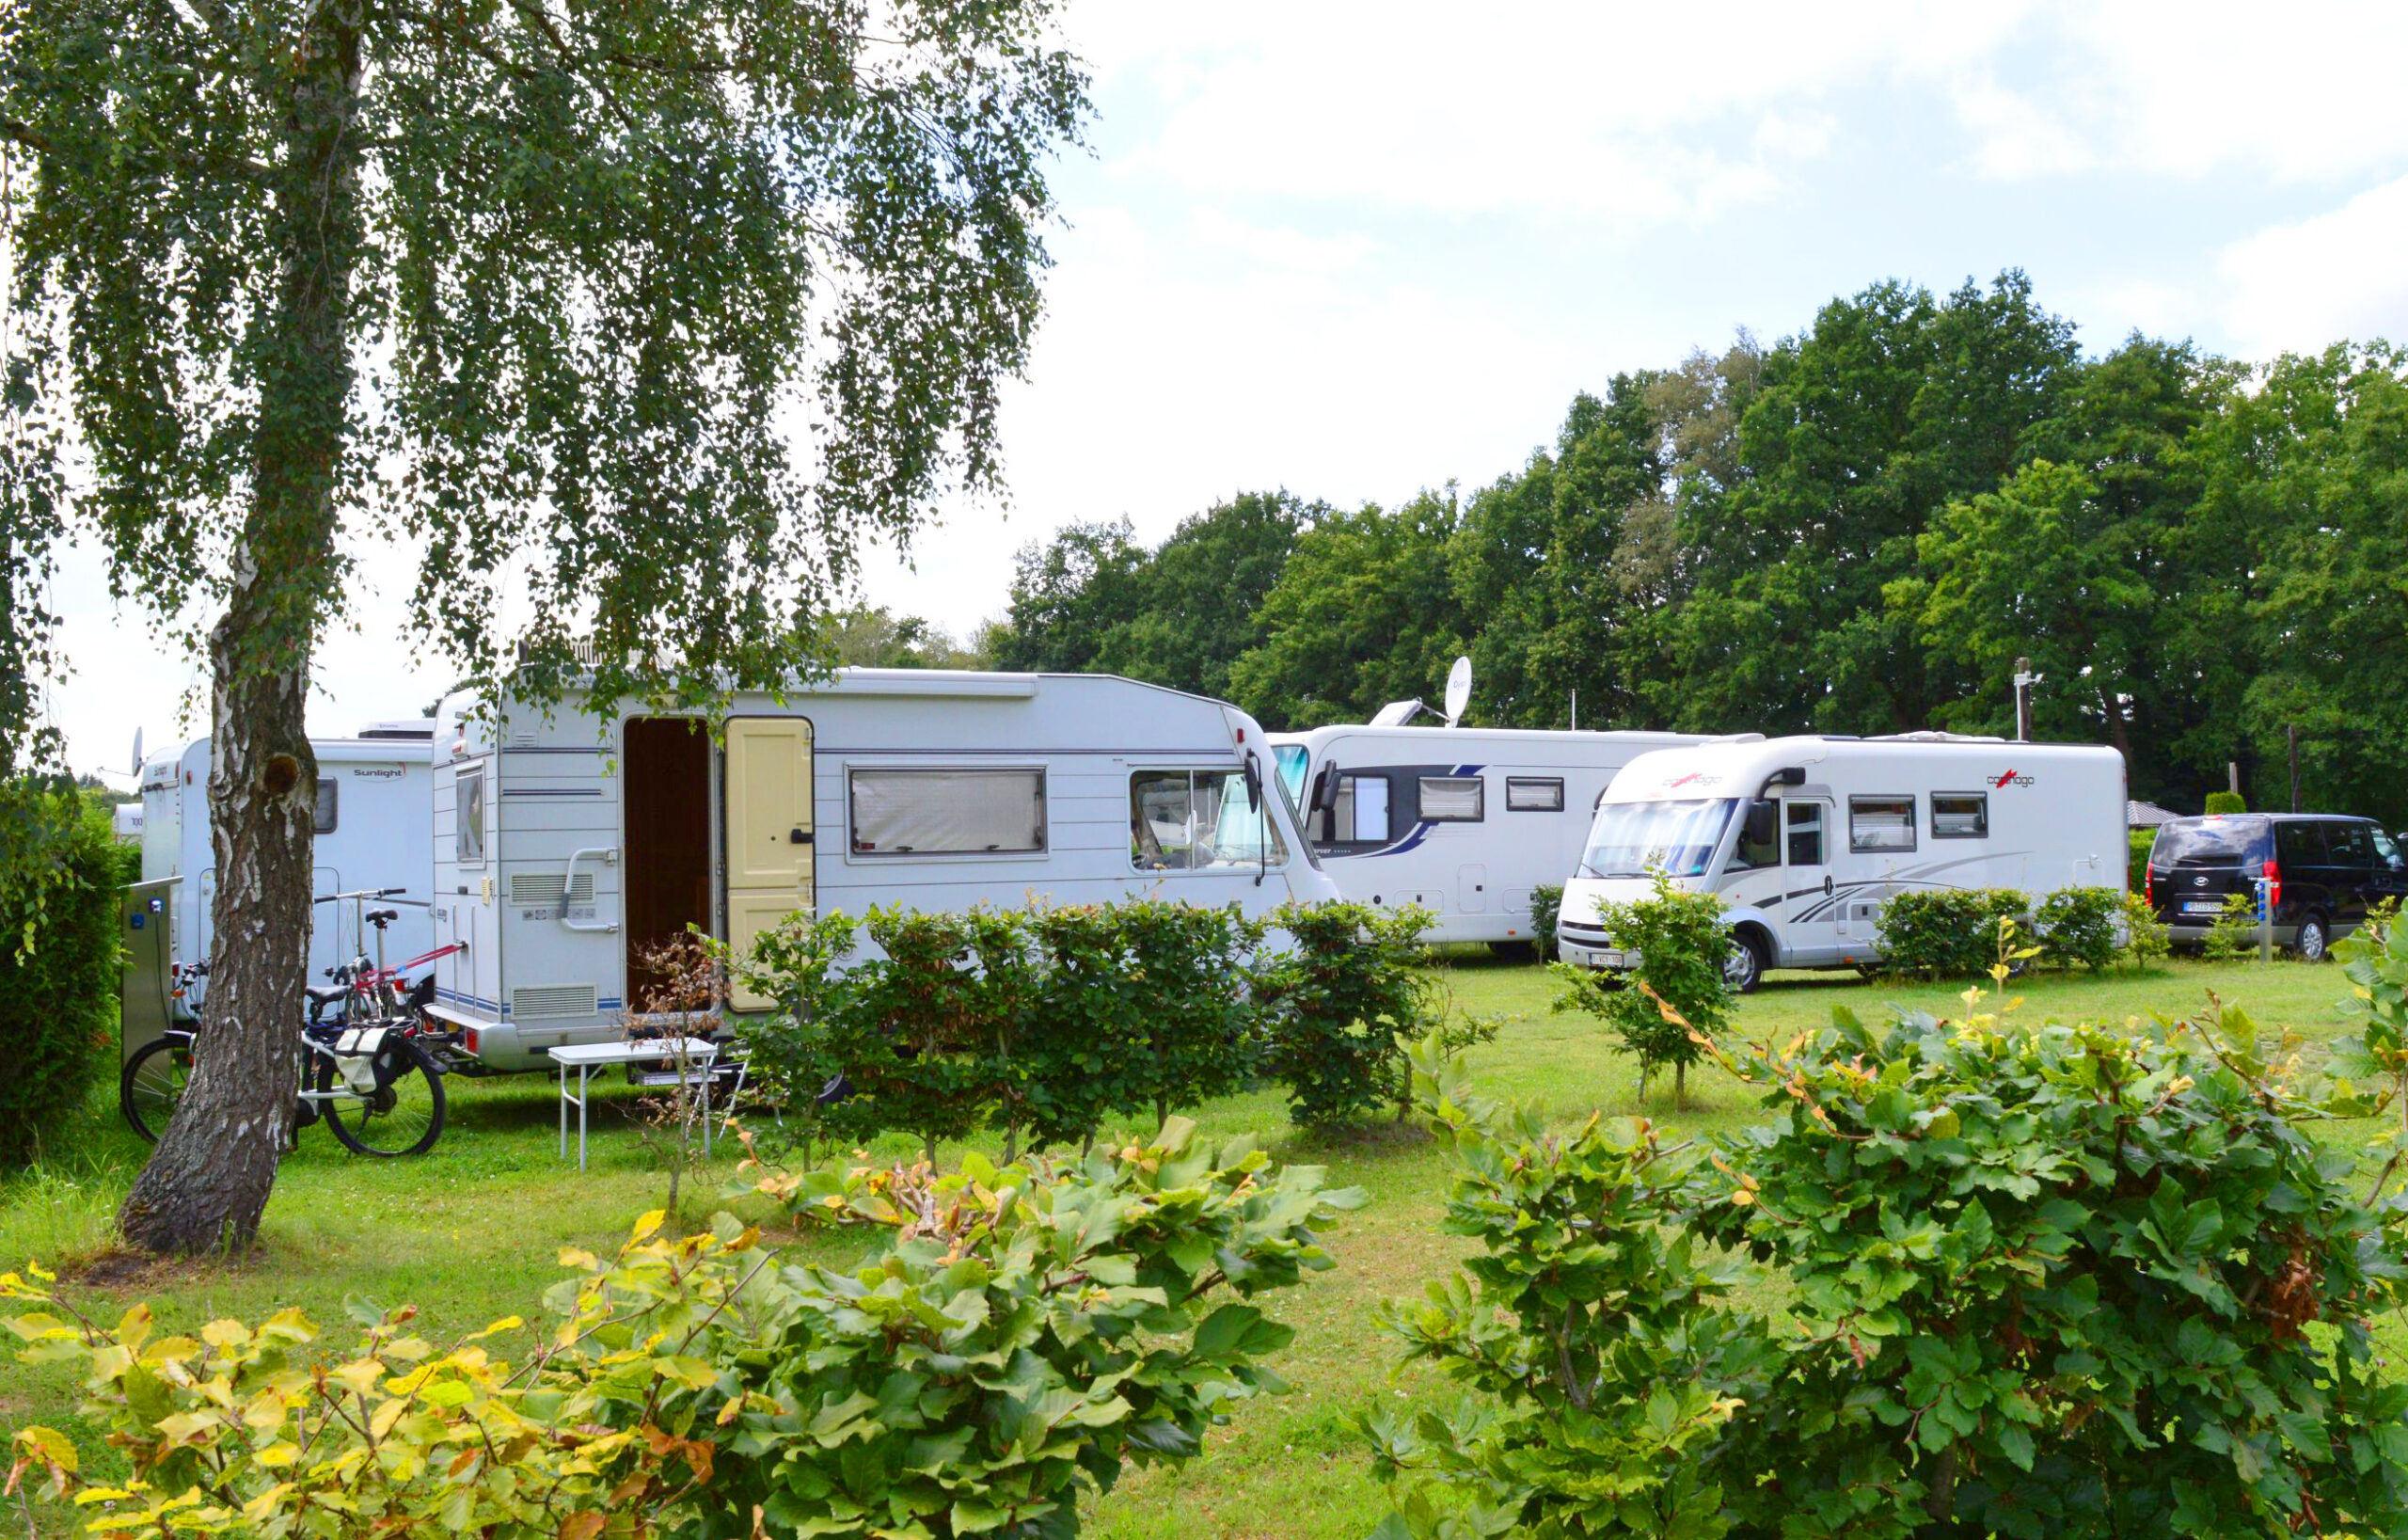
[
  {"x": 769, "y": 833},
  {"x": 1814, "y": 911}
]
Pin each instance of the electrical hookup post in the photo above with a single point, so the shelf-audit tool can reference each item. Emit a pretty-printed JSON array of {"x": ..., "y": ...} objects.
[{"x": 2024, "y": 681}]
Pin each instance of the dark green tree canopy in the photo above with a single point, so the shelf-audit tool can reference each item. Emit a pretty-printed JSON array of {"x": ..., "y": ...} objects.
[{"x": 648, "y": 312}]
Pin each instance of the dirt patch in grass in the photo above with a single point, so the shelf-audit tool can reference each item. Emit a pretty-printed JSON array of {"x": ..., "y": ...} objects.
[{"x": 119, "y": 1270}]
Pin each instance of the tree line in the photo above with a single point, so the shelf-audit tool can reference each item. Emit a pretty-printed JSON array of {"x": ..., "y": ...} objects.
[{"x": 1854, "y": 529}]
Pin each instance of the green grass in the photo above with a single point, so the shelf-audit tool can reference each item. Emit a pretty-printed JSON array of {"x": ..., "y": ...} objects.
[{"x": 471, "y": 1232}]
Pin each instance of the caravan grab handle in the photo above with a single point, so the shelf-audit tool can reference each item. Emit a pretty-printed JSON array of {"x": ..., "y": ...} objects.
[{"x": 568, "y": 887}]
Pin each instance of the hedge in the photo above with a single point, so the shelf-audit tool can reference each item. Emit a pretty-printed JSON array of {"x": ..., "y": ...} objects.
[
  {"x": 1955, "y": 932},
  {"x": 58, "y": 976}
]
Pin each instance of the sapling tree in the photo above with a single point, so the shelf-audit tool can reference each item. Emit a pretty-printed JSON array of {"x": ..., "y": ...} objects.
[{"x": 645, "y": 315}]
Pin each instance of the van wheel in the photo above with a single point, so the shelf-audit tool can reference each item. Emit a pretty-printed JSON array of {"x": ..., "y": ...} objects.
[
  {"x": 1743, "y": 969},
  {"x": 2310, "y": 945}
]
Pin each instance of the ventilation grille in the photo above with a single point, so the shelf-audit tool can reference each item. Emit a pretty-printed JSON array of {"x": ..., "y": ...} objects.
[
  {"x": 529, "y": 889},
  {"x": 553, "y": 1000}
]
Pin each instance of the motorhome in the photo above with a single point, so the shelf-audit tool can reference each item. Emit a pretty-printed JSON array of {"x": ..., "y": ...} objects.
[
  {"x": 1803, "y": 838},
  {"x": 1464, "y": 821},
  {"x": 374, "y": 829},
  {"x": 569, "y": 843}
]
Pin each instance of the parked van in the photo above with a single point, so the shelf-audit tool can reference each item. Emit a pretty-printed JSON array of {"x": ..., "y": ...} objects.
[
  {"x": 1464, "y": 821},
  {"x": 2322, "y": 871},
  {"x": 1804, "y": 838},
  {"x": 566, "y": 849},
  {"x": 375, "y": 829}
]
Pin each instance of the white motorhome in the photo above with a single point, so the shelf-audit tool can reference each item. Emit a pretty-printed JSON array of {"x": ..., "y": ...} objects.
[
  {"x": 375, "y": 829},
  {"x": 567, "y": 848},
  {"x": 1803, "y": 838},
  {"x": 1464, "y": 821}
]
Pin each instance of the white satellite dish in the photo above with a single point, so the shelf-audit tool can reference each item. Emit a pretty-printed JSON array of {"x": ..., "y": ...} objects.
[
  {"x": 1458, "y": 689},
  {"x": 137, "y": 753}
]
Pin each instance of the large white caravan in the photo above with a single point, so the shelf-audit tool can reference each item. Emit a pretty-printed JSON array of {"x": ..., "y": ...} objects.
[
  {"x": 1464, "y": 821},
  {"x": 374, "y": 829},
  {"x": 1802, "y": 839},
  {"x": 565, "y": 848}
]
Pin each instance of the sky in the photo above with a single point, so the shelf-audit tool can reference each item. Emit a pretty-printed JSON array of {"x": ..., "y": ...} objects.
[{"x": 1356, "y": 250}]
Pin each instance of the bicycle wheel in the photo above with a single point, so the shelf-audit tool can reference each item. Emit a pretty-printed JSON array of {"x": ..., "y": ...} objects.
[
  {"x": 153, "y": 1083},
  {"x": 402, "y": 1116}
]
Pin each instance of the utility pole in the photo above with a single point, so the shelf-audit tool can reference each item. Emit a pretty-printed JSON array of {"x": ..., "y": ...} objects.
[
  {"x": 1575, "y": 710},
  {"x": 2293, "y": 731},
  {"x": 2024, "y": 679}
]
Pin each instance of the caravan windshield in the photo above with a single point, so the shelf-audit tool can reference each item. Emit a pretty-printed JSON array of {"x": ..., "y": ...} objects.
[
  {"x": 1242, "y": 835},
  {"x": 1292, "y": 759},
  {"x": 1637, "y": 839}
]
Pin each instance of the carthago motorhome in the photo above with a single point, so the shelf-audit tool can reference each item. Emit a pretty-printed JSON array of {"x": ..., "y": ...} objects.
[
  {"x": 1803, "y": 838},
  {"x": 375, "y": 829},
  {"x": 566, "y": 847},
  {"x": 1464, "y": 821}
]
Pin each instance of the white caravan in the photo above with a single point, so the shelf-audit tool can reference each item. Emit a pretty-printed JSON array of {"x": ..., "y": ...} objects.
[
  {"x": 1462, "y": 821},
  {"x": 374, "y": 829},
  {"x": 1802, "y": 839},
  {"x": 567, "y": 848}
]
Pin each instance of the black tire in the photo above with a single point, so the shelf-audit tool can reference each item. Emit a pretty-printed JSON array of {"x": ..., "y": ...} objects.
[
  {"x": 2314, "y": 942},
  {"x": 153, "y": 1085},
  {"x": 402, "y": 1116},
  {"x": 1744, "y": 967}
]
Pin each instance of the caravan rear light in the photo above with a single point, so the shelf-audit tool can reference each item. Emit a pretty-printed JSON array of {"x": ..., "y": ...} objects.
[
  {"x": 473, "y": 1040},
  {"x": 2274, "y": 885}
]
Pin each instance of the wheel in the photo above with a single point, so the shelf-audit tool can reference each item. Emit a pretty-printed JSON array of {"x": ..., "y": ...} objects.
[
  {"x": 153, "y": 1083},
  {"x": 402, "y": 1116},
  {"x": 1743, "y": 969},
  {"x": 2310, "y": 944}
]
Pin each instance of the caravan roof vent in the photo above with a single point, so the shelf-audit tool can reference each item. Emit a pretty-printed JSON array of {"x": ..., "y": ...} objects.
[
  {"x": 1929, "y": 735},
  {"x": 419, "y": 728}
]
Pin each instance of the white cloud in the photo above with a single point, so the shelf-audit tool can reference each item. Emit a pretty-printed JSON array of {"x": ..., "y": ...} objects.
[{"x": 2303, "y": 286}]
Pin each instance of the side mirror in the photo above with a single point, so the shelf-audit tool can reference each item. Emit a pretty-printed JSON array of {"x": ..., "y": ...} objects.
[
  {"x": 1762, "y": 826},
  {"x": 1321, "y": 783}
]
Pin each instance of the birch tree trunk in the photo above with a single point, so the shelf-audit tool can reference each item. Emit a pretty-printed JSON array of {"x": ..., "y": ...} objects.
[{"x": 208, "y": 1182}]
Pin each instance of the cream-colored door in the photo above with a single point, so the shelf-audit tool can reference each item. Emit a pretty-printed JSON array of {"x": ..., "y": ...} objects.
[{"x": 769, "y": 832}]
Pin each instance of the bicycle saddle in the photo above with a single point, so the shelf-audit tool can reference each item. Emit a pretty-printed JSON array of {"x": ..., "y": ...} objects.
[
  {"x": 320, "y": 996},
  {"x": 382, "y": 918}
]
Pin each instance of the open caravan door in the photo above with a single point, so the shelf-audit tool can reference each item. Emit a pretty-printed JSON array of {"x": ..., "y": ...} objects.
[{"x": 769, "y": 836}]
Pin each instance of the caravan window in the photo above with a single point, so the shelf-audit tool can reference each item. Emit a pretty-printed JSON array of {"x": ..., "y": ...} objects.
[
  {"x": 1199, "y": 820},
  {"x": 1360, "y": 811},
  {"x": 468, "y": 819},
  {"x": 1453, "y": 799},
  {"x": 1759, "y": 841},
  {"x": 1960, "y": 815},
  {"x": 328, "y": 790},
  {"x": 1533, "y": 794},
  {"x": 1803, "y": 826},
  {"x": 1880, "y": 824},
  {"x": 947, "y": 811}
]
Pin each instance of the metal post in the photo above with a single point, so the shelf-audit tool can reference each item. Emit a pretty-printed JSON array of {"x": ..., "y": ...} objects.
[
  {"x": 1575, "y": 710},
  {"x": 2023, "y": 681},
  {"x": 2265, "y": 923}
]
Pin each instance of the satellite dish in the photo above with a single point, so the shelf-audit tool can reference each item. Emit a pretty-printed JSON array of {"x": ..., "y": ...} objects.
[
  {"x": 1458, "y": 689},
  {"x": 137, "y": 753}
]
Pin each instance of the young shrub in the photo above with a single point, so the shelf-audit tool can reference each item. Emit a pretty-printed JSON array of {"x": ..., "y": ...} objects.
[
  {"x": 2139, "y": 842},
  {"x": 1681, "y": 945},
  {"x": 1547, "y": 905},
  {"x": 2225, "y": 803},
  {"x": 1085, "y": 1054},
  {"x": 915, "y": 1050},
  {"x": 1196, "y": 966},
  {"x": 799, "y": 966},
  {"x": 2234, "y": 934},
  {"x": 680, "y": 1006},
  {"x": 2147, "y": 940},
  {"x": 1946, "y": 932},
  {"x": 1341, "y": 1004},
  {"x": 1590, "y": 1330},
  {"x": 58, "y": 976},
  {"x": 2076, "y": 926}
]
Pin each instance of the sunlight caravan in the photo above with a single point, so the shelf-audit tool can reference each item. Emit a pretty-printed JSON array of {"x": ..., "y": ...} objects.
[
  {"x": 1464, "y": 821},
  {"x": 375, "y": 829},
  {"x": 565, "y": 848},
  {"x": 1803, "y": 838}
]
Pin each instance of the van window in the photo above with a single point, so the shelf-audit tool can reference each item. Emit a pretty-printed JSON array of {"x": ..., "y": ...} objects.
[
  {"x": 2386, "y": 852},
  {"x": 1759, "y": 841},
  {"x": 2298, "y": 845},
  {"x": 1453, "y": 799},
  {"x": 1960, "y": 815},
  {"x": 1533, "y": 794},
  {"x": 324, "y": 822},
  {"x": 1803, "y": 825},
  {"x": 468, "y": 819},
  {"x": 2348, "y": 845},
  {"x": 2211, "y": 842},
  {"x": 1880, "y": 824},
  {"x": 946, "y": 812},
  {"x": 1199, "y": 820}
]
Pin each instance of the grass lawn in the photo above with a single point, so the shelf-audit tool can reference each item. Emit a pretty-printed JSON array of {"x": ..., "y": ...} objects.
[{"x": 470, "y": 1231}]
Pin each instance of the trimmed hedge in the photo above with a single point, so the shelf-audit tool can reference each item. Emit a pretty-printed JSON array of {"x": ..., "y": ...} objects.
[
  {"x": 2225, "y": 802},
  {"x": 59, "y": 977},
  {"x": 1955, "y": 933}
]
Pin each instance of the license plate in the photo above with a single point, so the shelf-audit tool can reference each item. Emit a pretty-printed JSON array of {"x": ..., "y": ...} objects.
[{"x": 2203, "y": 906}]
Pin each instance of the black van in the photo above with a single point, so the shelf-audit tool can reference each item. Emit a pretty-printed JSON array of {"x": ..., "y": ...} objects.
[{"x": 2322, "y": 871}]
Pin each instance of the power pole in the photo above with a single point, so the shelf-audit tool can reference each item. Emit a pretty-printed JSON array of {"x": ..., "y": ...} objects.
[
  {"x": 2025, "y": 679},
  {"x": 1575, "y": 710},
  {"x": 2293, "y": 730}
]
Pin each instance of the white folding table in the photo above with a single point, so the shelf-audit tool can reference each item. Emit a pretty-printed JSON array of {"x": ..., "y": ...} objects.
[{"x": 699, "y": 1054}]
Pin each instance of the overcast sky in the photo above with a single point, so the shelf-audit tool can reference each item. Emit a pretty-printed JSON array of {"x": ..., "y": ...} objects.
[{"x": 1356, "y": 250}]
